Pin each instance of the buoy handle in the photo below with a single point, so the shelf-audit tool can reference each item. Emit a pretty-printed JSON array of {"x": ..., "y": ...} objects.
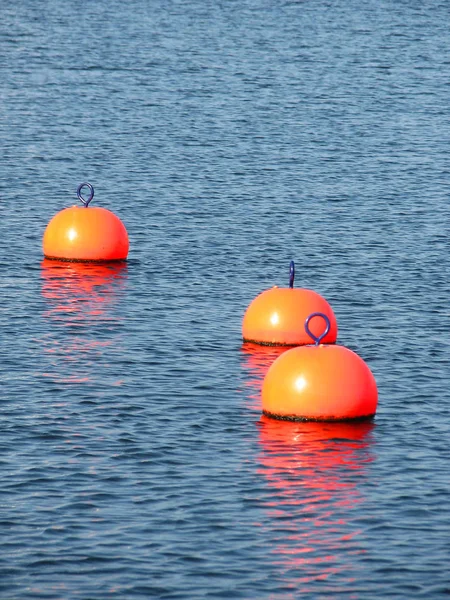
[
  {"x": 317, "y": 339},
  {"x": 291, "y": 274},
  {"x": 80, "y": 197}
]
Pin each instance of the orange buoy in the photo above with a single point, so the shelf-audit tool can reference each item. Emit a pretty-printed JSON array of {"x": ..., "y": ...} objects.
[
  {"x": 85, "y": 234},
  {"x": 276, "y": 316},
  {"x": 319, "y": 383}
]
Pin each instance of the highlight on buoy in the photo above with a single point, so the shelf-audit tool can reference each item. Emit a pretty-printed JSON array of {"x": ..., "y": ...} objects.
[
  {"x": 84, "y": 233},
  {"x": 276, "y": 316},
  {"x": 319, "y": 383}
]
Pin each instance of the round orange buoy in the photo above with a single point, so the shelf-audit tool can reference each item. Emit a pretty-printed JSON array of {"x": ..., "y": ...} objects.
[
  {"x": 319, "y": 383},
  {"x": 276, "y": 316},
  {"x": 85, "y": 233}
]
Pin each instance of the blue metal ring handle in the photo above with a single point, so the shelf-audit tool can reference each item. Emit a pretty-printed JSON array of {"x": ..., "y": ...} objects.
[
  {"x": 80, "y": 187},
  {"x": 317, "y": 339},
  {"x": 291, "y": 274}
]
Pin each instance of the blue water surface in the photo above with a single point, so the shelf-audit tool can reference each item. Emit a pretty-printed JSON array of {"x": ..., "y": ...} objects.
[{"x": 230, "y": 137}]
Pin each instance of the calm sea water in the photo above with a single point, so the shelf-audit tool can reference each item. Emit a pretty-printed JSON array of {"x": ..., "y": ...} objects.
[{"x": 230, "y": 137}]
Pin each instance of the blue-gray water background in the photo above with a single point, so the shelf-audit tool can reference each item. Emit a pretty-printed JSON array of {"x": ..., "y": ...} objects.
[{"x": 230, "y": 137}]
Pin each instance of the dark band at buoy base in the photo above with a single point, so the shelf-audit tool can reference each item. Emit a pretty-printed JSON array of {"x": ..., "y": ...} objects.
[{"x": 324, "y": 419}]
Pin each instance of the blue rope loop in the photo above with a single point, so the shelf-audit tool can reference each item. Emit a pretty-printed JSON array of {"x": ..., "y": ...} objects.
[
  {"x": 80, "y": 197},
  {"x": 317, "y": 339},
  {"x": 291, "y": 274}
]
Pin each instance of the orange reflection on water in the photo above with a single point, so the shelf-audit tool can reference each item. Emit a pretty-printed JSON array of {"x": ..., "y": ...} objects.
[
  {"x": 313, "y": 471},
  {"x": 257, "y": 360},
  {"x": 80, "y": 291},
  {"x": 80, "y": 299}
]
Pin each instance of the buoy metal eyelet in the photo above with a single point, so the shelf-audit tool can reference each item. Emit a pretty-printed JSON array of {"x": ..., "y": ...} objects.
[
  {"x": 80, "y": 197},
  {"x": 317, "y": 339},
  {"x": 291, "y": 274}
]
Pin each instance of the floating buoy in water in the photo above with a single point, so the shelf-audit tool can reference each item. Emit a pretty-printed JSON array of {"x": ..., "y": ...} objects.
[
  {"x": 276, "y": 316},
  {"x": 319, "y": 383},
  {"x": 83, "y": 233}
]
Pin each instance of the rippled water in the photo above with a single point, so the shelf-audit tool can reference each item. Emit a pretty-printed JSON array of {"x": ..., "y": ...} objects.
[{"x": 230, "y": 137}]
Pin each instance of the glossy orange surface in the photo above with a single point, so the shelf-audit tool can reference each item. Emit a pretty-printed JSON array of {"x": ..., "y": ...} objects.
[
  {"x": 277, "y": 316},
  {"x": 322, "y": 382},
  {"x": 86, "y": 234}
]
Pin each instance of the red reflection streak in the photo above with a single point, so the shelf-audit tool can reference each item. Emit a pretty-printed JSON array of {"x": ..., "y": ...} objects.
[
  {"x": 78, "y": 295},
  {"x": 312, "y": 471},
  {"x": 257, "y": 360},
  {"x": 79, "y": 291}
]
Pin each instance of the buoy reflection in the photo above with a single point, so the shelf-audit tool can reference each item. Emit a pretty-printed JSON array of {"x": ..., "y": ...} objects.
[
  {"x": 80, "y": 301},
  {"x": 78, "y": 291},
  {"x": 313, "y": 472},
  {"x": 256, "y": 361}
]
